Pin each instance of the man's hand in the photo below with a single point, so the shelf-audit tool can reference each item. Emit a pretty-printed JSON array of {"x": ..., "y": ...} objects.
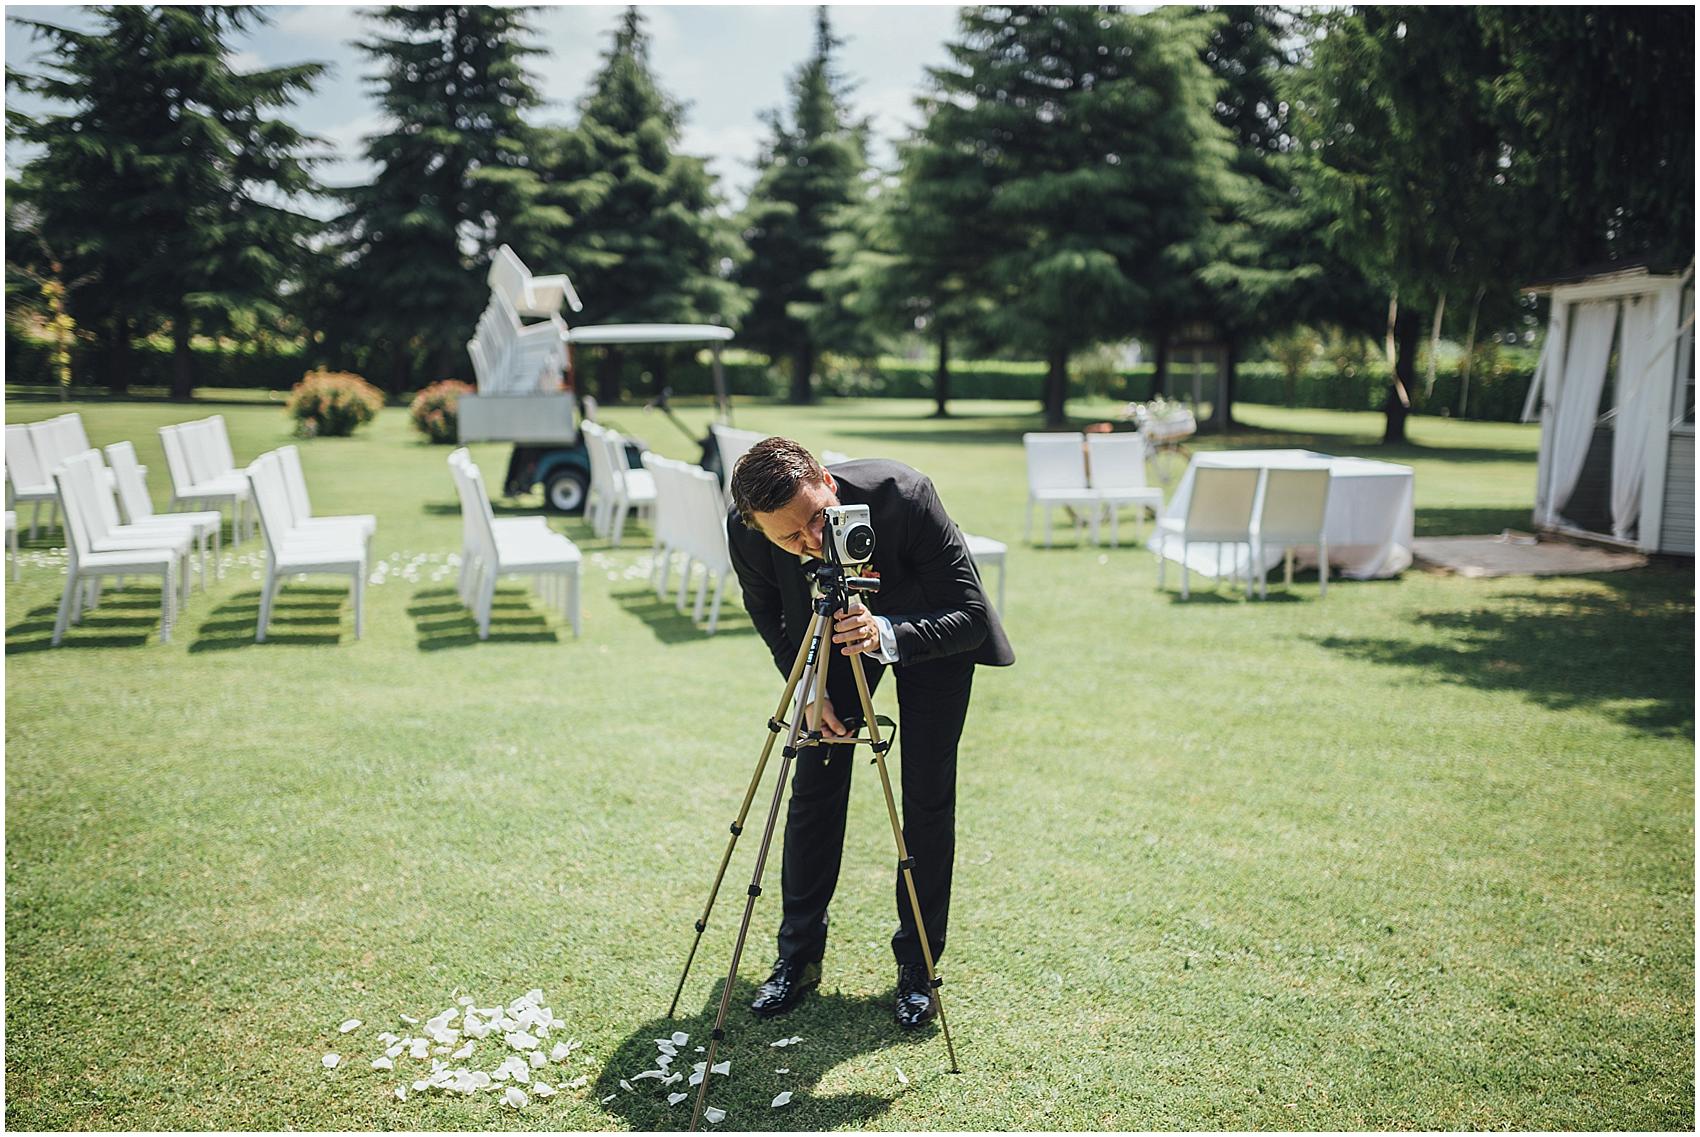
[
  {"x": 830, "y": 726},
  {"x": 856, "y": 628}
]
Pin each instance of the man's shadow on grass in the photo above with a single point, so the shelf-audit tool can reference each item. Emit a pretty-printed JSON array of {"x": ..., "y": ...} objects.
[
  {"x": 834, "y": 1028},
  {"x": 671, "y": 626},
  {"x": 303, "y": 615},
  {"x": 441, "y": 621}
]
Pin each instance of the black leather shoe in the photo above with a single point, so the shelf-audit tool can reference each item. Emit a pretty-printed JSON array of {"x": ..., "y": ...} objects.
[
  {"x": 917, "y": 1002},
  {"x": 785, "y": 988}
]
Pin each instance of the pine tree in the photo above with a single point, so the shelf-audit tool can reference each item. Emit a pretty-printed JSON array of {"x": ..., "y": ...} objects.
[
  {"x": 1082, "y": 136},
  {"x": 808, "y": 170},
  {"x": 166, "y": 176},
  {"x": 453, "y": 176},
  {"x": 635, "y": 223}
]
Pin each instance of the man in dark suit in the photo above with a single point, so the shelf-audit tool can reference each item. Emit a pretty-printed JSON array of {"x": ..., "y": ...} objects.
[{"x": 930, "y": 623}]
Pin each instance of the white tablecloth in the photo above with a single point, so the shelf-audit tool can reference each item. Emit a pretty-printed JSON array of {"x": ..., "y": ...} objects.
[{"x": 1371, "y": 516}]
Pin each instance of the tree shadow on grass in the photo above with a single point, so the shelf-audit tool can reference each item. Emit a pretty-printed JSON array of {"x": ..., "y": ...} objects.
[
  {"x": 1627, "y": 652},
  {"x": 302, "y": 616},
  {"x": 441, "y": 621},
  {"x": 672, "y": 626},
  {"x": 833, "y": 1027}
]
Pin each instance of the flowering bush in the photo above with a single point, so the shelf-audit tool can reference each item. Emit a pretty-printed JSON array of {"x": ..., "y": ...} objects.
[
  {"x": 332, "y": 403},
  {"x": 434, "y": 409}
]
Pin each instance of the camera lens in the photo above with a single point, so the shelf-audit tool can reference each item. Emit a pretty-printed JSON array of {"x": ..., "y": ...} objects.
[{"x": 859, "y": 542}]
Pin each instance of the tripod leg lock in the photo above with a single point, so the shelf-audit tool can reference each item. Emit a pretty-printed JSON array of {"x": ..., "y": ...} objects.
[
  {"x": 702, "y": 926},
  {"x": 775, "y": 725},
  {"x": 717, "y": 1034},
  {"x": 755, "y": 890},
  {"x": 906, "y": 863},
  {"x": 737, "y": 829},
  {"x": 883, "y": 746},
  {"x": 938, "y": 981}
]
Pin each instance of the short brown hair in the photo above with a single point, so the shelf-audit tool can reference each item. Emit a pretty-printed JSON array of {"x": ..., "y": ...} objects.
[{"x": 768, "y": 476}]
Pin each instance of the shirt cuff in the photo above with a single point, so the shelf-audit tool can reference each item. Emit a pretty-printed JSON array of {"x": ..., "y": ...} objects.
[{"x": 888, "y": 642}]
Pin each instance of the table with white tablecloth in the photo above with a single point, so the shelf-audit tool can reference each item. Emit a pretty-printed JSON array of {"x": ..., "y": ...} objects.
[{"x": 1370, "y": 523}]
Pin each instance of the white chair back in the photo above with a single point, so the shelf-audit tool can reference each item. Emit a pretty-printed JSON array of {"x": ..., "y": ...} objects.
[
  {"x": 731, "y": 444},
  {"x": 49, "y": 442},
  {"x": 220, "y": 444},
  {"x": 79, "y": 542},
  {"x": 132, "y": 484},
  {"x": 270, "y": 500},
  {"x": 1055, "y": 461},
  {"x": 707, "y": 518},
  {"x": 1295, "y": 505},
  {"x": 23, "y": 464},
  {"x": 294, "y": 484},
  {"x": 176, "y": 461},
  {"x": 201, "y": 449},
  {"x": 101, "y": 511},
  {"x": 74, "y": 438},
  {"x": 1221, "y": 503},
  {"x": 1117, "y": 461}
]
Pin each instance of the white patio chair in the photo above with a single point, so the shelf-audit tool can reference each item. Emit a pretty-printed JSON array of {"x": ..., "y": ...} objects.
[
  {"x": 731, "y": 444},
  {"x": 543, "y": 555},
  {"x": 632, "y": 490},
  {"x": 85, "y": 568},
  {"x": 130, "y": 480},
  {"x": 1056, "y": 478},
  {"x": 600, "y": 497},
  {"x": 289, "y": 552},
  {"x": 1293, "y": 512},
  {"x": 669, "y": 520},
  {"x": 704, "y": 540},
  {"x": 530, "y": 295},
  {"x": 102, "y": 531},
  {"x": 301, "y": 507},
  {"x": 1218, "y": 512},
  {"x": 1117, "y": 474},
  {"x": 12, "y": 544},
  {"x": 28, "y": 480},
  {"x": 105, "y": 521},
  {"x": 232, "y": 489},
  {"x": 470, "y": 548},
  {"x": 986, "y": 553}
]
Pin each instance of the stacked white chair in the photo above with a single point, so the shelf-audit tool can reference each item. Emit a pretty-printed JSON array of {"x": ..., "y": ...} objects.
[
  {"x": 513, "y": 358},
  {"x": 493, "y": 551},
  {"x": 690, "y": 519},
  {"x": 291, "y": 550},
  {"x": 1056, "y": 479},
  {"x": 102, "y": 516},
  {"x": 192, "y": 460},
  {"x": 1117, "y": 476},
  {"x": 1218, "y": 512},
  {"x": 130, "y": 479},
  {"x": 28, "y": 479},
  {"x": 529, "y": 295},
  {"x": 1293, "y": 511},
  {"x": 95, "y": 551}
]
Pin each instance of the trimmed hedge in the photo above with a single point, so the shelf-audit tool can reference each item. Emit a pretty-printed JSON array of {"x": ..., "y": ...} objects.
[{"x": 279, "y": 369}]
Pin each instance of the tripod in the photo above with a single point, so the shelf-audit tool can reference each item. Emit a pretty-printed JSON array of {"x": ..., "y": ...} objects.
[{"x": 808, "y": 671}]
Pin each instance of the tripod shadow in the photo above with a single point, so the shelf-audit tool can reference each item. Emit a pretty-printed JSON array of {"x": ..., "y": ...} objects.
[{"x": 835, "y": 1029}]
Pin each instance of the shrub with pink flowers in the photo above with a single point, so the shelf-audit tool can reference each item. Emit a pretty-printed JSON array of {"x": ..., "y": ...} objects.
[
  {"x": 434, "y": 409},
  {"x": 332, "y": 403}
]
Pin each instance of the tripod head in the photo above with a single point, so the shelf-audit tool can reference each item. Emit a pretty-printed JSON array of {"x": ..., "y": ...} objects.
[{"x": 833, "y": 579}]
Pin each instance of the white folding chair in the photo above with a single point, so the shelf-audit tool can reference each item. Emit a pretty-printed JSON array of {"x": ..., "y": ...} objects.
[
  {"x": 130, "y": 479},
  {"x": 543, "y": 555},
  {"x": 289, "y": 551},
  {"x": 1056, "y": 478},
  {"x": 503, "y": 527},
  {"x": 669, "y": 518},
  {"x": 1218, "y": 512},
  {"x": 85, "y": 567},
  {"x": 105, "y": 522},
  {"x": 705, "y": 540},
  {"x": 186, "y": 449},
  {"x": 1117, "y": 474},
  {"x": 28, "y": 479},
  {"x": 301, "y": 507},
  {"x": 985, "y": 553},
  {"x": 102, "y": 529},
  {"x": 1293, "y": 511},
  {"x": 633, "y": 490}
]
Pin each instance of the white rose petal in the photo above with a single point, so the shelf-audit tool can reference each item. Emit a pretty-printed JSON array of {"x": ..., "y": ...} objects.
[
  {"x": 537, "y": 1060},
  {"x": 609, "y": 1098},
  {"x": 515, "y": 1097},
  {"x": 410, "y": 1020},
  {"x": 519, "y": 1040},
  {"x": 382, "y": 1064},
  {"x": 422, "y": 1085},
  {"x": 579, "y": 1082},
  {"x": 465, "y": 1000},
  {"x": 463, "y": 1052},
  {"x": 387, "y": 1036},
  {"x": 394, "y": 1051},
  {"x": 900, "y": 1075},
  {"x": 543, "y": 1089},
  {"x": 351, "y": 1024},
  {"x": 680, "y": 1038},
  {"x": 330, "y": 1060},
  {"x": 783, "y": 1070},
  {"x": 480, "y": 1079},
  {"x": 696, "y": 1078},
  {"x": 672, "y": 1079},
  {"x": 782, "y": 1099},
  {"x": 625, "y": 1085},
  {"x": 724, "y": 1067},
  {"x": 714, "y": 1116},
  {"x": 675, "y": 1099},
  {"x": 401, "y": 1093}
]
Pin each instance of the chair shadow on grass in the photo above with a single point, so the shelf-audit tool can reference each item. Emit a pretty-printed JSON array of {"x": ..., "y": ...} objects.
[
  {"x": 125, "y": 617},
  {"x": 671, "y": 626},
  {"x": 303, "y": 615},
  {"x": 1626, "y": 652},
  {"x": 516, "y": 616},
  {"x": 834, "y": 1028}
]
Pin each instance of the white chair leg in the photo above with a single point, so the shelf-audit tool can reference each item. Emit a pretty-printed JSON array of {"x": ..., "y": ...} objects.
[
  {"x": 1322, "y": 569},
  {"x": 1026, "y": 532},
  {"x": 702, "y": 595},
  {"x": 486, "y": 600},
  {"x": 268, "y": 593},
  {"x": 1162, "y": 563},
  {"x": 1186, "y": 581},
  {"x": 73, "y": 588},
  {"x": 714, "y": 605},
  {"x": 572, "y": 599},
  {"x": 359, "y": 601},
  {"x": 1000, "y": 587}
]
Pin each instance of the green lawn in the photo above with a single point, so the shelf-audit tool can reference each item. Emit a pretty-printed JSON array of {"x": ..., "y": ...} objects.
[{"x": 1416, "y": 856}]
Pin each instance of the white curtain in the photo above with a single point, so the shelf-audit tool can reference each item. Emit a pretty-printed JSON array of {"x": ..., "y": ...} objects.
[
  {"x": 1642, "y": 358},
  {"x": 1576, "y": 393},
  {"x": 1552, "y": 354}
]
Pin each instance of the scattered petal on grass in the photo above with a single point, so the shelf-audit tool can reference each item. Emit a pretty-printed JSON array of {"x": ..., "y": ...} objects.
[
  {"x": 421, "y": 1048},
  {"x": 625, "y": 1085},
  {"x": 713, "y": 1116},
  {"x": 609, "y": 1098},
  {"x": 401, "y": 1093},
  {"x": 672, "y": 1079},
  {"x": 382, "y": 1064},
  {"x": 463, "y": 1052},
  {"x": 675, "y": 1099},
  {"x": 410, "y": 1020},
  {"x": 724, "y": 1067},
  {"x": 696, "y": 1078},
  {"x": 656, "y": 1074},
  {"x": 536, "y": 1059},
  {"x": 559, "y": 1052},
  {"x": 330, "y": 1060},
  {"x": 421, "y": 1085},
  {"x": 515, "y": 1097},
  {"x": 387, "y": 1037},
  {"x": 520, "y": 1040},
  {"x": 465, "y": 1000},
  {"x": 783, "y": 1099},
  {"x": 394, "y": 1051},
  {"x": 579, "y": 1082},
  {"x": 351, "y": 1024},
  {"x": 900, "y": 1075},
  {"x": 543, "y": 1089},
  {"x": 680, "y": 1038},
  {"x": 783, "y": 1070}
]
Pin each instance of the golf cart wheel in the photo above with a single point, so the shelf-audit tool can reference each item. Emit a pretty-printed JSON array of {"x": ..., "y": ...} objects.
[{"x": 565, "y": 491}]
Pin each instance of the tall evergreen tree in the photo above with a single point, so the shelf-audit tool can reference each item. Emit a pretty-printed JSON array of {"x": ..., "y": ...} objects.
[
  {"x": 453, "y": 176},
  {"x": 807, "y": 172},
  {"x": 1084, "y": 135},
  {"x": 634, "y": 223},
  {"x": 166, "y": 176}
]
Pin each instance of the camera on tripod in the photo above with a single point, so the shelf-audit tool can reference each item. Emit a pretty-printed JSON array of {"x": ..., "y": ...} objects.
[{"x": 849, "y": 534}]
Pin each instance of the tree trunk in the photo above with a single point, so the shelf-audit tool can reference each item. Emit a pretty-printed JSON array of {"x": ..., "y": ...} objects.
[
  {"x": 118, "y": 355},
  {"x": 1160, "y": 375},
  {"x": 608, "y": 370},
  {"x": 802, "y": 373},
  {"x": 182, "y": 358},
  {"x": 398, "y": 369},
  {"x": 941, "y": 378},
  {"x": 1221, "y": 419},
  {"x": 1407, "y": 336},
  {"x": 1056, "y": 387}
]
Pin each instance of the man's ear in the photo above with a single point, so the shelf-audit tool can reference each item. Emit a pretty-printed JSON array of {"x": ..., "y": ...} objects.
[{"x": 830, "y": 482}]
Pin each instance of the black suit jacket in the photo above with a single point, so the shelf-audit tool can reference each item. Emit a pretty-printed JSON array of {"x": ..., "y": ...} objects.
[{"x": 929, "y": 588}]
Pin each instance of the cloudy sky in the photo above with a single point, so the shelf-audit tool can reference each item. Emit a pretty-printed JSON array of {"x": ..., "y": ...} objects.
[{"x": 727, "y": 63}]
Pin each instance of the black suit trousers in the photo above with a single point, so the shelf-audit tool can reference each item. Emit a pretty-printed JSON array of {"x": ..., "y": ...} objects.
[{"x": 932, "y": 701}]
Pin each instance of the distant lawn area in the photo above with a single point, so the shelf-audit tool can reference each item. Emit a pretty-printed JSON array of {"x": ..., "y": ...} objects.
[{"x": 1418, "y": 855}]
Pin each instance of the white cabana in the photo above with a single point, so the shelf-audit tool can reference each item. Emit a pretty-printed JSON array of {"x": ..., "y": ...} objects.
[{"x": 1617, "y": 444}]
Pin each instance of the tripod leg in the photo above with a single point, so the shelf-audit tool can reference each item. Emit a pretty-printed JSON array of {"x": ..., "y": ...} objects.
[
  {"x": 904, "y": 861},
  {"x": 773, "y": 728}
]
